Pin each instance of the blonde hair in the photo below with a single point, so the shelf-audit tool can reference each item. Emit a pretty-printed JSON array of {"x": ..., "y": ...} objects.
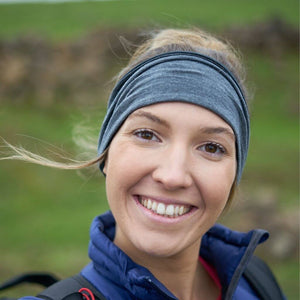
[
  {"x": 161, "y": 41},
  {"x": 194, "y": 40}
]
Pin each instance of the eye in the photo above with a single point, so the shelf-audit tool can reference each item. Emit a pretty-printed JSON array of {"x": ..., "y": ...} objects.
[
  {"x": 213, "y": 149},
  {"x": 146, "y": 134}
]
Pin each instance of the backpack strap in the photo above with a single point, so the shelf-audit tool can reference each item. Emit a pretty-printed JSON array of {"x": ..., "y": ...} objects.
[
  {"x": 72, "y": 288},
  {"x": 43, "y": 279},
  {"x": 262, "y": 280}
]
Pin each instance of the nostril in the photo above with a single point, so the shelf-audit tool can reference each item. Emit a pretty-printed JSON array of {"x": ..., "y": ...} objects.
[{"x": 172, "y": 178}]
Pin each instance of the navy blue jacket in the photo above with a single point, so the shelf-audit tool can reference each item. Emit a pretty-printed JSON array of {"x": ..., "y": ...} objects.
[{"x": 117, "y": 277}]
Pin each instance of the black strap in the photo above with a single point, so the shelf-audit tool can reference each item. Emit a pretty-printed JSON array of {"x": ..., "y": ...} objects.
[
  {"x": 43, "y": 279},
  {"x": 262, "y": 280},
  {"x": 68, "y": 288}
]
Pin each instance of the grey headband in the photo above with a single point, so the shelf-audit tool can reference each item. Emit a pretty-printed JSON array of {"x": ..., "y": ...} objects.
[{"x": 180, "y": 76}]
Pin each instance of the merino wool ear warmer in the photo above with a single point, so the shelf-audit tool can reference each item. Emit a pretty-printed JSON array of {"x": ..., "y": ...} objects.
[{"x": 183, "y": 77}]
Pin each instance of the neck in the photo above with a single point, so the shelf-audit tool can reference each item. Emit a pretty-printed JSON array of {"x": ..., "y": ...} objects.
[
  {"x": 182, "y": 274},
  {"x": 179, "y": 274}
]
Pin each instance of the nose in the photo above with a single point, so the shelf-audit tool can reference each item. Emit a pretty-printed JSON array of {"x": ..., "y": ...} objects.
[{"x": 173, "y": 169}]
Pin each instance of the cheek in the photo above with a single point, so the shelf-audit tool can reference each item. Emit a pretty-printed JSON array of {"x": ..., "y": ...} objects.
[
  {"x": 124, "y": 167},
  {"x": 226, "y": 181},
  {"x": 216, "y": 183}
]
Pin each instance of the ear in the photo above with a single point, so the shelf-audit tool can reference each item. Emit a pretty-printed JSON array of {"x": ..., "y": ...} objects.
[
  {"x": 104, "y": 161},
  {"x": 105, "y": 167}
]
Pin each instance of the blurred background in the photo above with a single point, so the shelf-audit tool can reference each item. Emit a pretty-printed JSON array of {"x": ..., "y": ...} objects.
[{"x": 57, "y": 63}]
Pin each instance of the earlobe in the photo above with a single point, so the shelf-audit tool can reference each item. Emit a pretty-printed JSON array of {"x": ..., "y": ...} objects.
[
  {"x": 104, "y": 167},
  {"x": 103, "y": 161}
]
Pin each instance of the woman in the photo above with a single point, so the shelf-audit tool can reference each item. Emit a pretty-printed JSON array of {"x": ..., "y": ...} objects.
[{"x": 172, "y": 147}]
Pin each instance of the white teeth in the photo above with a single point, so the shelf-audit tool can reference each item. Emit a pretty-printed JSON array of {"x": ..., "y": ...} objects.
[
  {"x": 149, "y": 205},
  {"x": 181, "y": 210},
  {"x": 154, "y": 206},
  {"x": 161, "y": 208},
  {"x": 170, "y": 210}
]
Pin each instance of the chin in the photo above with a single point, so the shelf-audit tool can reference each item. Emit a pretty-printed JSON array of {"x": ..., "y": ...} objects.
[
  {"x": 158, "y": 247},
  {"x": 158, "y": 251}
]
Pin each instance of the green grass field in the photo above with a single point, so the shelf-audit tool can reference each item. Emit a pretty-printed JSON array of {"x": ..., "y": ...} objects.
[
  {"x": 67, "y": 20},
  {"x": 45, "y": 214}
]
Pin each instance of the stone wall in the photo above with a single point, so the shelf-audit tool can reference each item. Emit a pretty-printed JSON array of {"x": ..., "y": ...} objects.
[{"x": 39, "y": 72}]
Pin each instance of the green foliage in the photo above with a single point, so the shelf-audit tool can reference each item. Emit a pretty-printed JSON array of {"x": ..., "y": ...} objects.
[
  {"x": 273, "y": 154},
  {"x": 65, "y": 20},
  {"x": 288, "y": 276},
  {"x": 44, "y": 212}
]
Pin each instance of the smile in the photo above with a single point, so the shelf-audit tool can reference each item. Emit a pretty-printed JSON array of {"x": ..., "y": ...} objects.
[{"x": 166, "y": 210}]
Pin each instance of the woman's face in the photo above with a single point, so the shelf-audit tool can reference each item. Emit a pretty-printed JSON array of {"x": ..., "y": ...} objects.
[{"x": 169, "y": 172}]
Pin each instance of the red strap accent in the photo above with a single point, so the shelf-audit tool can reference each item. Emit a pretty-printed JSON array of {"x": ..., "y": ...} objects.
[{"x": 87, "y": 294}]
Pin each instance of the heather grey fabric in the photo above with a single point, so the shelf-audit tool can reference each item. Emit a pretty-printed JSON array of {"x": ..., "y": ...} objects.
[{"x": 180, "y": 76}]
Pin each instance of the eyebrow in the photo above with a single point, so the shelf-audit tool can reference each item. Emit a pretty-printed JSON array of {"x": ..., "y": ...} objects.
[
  {"x": 218, "y": 130},
  {"x": 205, "y": 130},
  {"x": 149, "y": 116}
]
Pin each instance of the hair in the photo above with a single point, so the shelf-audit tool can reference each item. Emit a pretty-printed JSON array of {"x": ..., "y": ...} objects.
[
  {"x": 157, "y": 42},
  {"x": 194, "y": 40}
]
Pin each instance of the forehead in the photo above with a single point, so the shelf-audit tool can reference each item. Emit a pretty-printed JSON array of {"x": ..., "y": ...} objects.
[{"x": 180, "y": 112}]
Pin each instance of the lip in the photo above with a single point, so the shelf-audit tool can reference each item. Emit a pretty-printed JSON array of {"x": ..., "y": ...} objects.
[{"x": 159, "y": 218}]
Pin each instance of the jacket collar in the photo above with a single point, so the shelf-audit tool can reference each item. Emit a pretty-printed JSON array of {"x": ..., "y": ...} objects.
[
  {"x": 226, "y": 250},
  {"x": 229, "y": 252}
]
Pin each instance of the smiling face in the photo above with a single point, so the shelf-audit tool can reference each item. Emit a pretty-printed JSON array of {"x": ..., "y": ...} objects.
[{"x": 169, "y": 172}]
